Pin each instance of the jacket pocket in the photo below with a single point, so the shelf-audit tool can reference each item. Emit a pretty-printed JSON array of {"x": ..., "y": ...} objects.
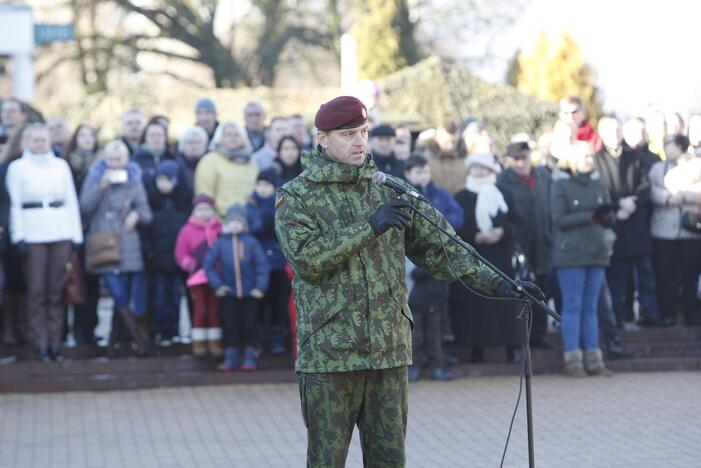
[
  {"x": 320, "y": 306},
  {"x": 398, "y": 295}
]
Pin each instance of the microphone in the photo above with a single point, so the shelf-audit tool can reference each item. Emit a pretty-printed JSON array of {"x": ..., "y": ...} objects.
[{"x": 382, "y": 179}]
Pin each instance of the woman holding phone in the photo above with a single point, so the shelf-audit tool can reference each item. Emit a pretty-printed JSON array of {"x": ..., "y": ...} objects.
[{"x": 113, "y": 198}]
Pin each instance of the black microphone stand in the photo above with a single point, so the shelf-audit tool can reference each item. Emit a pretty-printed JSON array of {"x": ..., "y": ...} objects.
[{"x": 526, "y": 315}]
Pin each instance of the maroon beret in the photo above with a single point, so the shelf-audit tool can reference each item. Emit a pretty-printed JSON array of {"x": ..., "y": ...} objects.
[{"x": 341, "y": 112}]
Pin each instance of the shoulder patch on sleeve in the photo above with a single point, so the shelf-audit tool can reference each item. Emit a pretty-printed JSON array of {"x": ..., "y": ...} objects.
[{"x": 280, "y": 201}]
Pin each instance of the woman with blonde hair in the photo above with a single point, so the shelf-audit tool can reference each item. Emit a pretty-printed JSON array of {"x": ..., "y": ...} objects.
[
  {"x": 227, "y": 172},
  {"x": 581, "y": 212}
]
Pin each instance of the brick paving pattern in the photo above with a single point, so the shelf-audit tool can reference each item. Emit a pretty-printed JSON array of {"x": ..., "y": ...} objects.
[{"x": 630, "y": 420}]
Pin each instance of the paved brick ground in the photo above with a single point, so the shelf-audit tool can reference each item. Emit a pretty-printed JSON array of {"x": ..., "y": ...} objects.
[{"x": 630, "y": 420}]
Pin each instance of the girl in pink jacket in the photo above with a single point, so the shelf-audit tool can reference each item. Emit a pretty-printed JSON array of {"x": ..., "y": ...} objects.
[{"x": 194, "y": 240}]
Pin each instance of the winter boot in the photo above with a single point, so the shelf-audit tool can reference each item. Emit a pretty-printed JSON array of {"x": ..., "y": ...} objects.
[
  {"x": 617, "y": 350},
  {"x": 199, "y": 342},
  {"x": 142, "y": 348},
  {"x": 594, "y": 363},
  {"x": 413, "y": 374},
  {"x": 113, "y": 344},
  {"x": 573, "y": 363},
  {"x": 439, "y": 373},
  {"x": 214, "y": 342},
  {"x": 199, "y": 349},
  {"x": 231, "y": 360},
  {"x": 250, "y": 359}
]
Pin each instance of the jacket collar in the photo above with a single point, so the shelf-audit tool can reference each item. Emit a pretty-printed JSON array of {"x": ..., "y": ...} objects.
[{"x": 320, "y": 167}]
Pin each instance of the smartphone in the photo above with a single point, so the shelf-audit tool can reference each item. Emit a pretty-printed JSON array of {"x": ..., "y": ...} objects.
[{"x": 118, "y": 176}]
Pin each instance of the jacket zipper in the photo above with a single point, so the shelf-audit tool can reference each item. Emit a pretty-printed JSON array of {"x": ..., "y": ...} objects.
[{"x": 237, "y": 267}]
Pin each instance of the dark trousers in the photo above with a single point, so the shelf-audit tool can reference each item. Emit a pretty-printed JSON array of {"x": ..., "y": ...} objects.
[
  {"x": 677, "y": 263},
  {"x": 85, "y": 315},
  {"x": 606, "y": 314},
  {"x": 166, "y": 289},
  {"x": 620, "y": 274},
  {"x": 427, "y": 336},
  {"x": 239, "y": 319},
  {"x": 551, "y": 288},
  {"x": 45, "y": 273},
  {"x": 274, "y": 318},
  {"x": 374, "y": 400}
]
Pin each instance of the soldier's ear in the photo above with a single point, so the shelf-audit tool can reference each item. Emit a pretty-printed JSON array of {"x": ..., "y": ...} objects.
[{"x": 323, "y": 138}]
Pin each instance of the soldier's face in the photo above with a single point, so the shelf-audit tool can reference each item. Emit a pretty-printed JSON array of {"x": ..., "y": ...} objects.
[{"x": 347, "y": 146}]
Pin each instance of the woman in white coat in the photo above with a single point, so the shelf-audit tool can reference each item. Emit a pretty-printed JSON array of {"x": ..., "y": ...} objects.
[{"x": 44, "y": 224}]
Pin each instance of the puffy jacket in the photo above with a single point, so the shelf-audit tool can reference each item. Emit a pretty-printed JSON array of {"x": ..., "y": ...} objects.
[
  {"x": 170, "y": 213},
  {"x": 579, "y": 240},
  {"x": 226, "y": 181},
  {"x": 107, "y": 208},
  {"x": 350, "y": 292},
  {"x": 685, "y": 176},
  {"x": 261, "y": 222},
  {"x": 192, "y": 245},
  {"x": 237, "y": 261}
]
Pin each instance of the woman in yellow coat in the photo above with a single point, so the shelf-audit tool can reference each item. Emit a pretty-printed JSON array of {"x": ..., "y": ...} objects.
[{"x": 227, "y": 173}]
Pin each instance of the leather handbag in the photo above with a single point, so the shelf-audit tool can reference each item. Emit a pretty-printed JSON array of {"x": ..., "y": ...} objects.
[
  {"x": 74, "y": 289},
  {"x": 103, "y": 249}
]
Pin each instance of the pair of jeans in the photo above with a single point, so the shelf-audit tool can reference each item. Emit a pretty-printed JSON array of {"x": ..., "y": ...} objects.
[
  {"x": 128, "y": 291},
  {"x": 166, "y": 289},
  {"x": 580, "y": 287},
  {"x": 618, "y": 275}
]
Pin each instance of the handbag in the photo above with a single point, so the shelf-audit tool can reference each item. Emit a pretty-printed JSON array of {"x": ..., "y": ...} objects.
[
  {"x": 74, "y": 288},
  {"x": 103, "y": 248},
  {"x": 691, "y": 221}
]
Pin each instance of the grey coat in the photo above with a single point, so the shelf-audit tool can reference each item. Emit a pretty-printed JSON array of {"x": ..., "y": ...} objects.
[
  {"x": 107, "y": 208},
  {"x": 666, "y": 222},
  {"x": 579, "y": 241}
]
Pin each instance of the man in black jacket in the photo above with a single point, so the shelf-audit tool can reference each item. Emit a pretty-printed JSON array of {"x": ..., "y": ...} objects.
[
  {"x": 382, "y": 139},
  {"x": 530, "y": 189},
  {"x": 624, "y": 168}
]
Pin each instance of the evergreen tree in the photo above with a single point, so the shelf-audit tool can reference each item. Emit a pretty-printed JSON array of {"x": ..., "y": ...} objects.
[
  {"x": 384, "y": 34},
  {"x": 555, "y": 68}
]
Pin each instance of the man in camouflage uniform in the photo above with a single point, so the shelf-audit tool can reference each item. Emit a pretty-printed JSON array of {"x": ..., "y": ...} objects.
[{"x": 346, "y": 240}]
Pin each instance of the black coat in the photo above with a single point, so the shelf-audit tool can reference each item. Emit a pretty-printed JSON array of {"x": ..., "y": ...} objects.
[
  {"x": 533, "y": 207},
  {"x": 149, "y": 163},
  {"x": 478, "y": 321},
  {"x": 389, "y": 165},
  {"x": 170, "y": 213},
  {"x": 625, "y": 175}
]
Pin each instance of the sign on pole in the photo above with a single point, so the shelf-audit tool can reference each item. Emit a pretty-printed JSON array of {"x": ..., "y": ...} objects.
[{"x": 49, "y": 33}]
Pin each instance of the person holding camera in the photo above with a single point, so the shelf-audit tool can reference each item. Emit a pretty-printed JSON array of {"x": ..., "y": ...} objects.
[
  {"x": 581, "y": 213},
  {"x": 113, "y": 202}
]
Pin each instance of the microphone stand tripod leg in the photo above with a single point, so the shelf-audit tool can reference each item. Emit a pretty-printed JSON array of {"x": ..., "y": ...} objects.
[{"x": 529, "y": 401}]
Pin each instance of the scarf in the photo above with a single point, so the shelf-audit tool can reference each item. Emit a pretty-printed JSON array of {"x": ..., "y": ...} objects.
[
  {"x": 490, "y": 201},
  {"x": 237, "y": 155}
]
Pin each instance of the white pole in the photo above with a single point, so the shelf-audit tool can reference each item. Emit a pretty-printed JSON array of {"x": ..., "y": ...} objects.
[
  {"x": 23, "y": 76},
  {"x": 349, "y": 63}
]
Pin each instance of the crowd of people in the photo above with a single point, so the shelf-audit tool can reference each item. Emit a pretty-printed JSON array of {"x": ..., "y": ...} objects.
[{"x": 606, "y": 221}]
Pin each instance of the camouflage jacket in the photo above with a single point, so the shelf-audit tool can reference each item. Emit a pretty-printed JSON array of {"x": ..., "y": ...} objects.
[{"x": 349, "y": 286}]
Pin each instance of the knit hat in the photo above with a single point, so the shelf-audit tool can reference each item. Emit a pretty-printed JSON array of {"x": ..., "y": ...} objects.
[
  {"x": 268, "y": 175},
  {"x": 383, "y": 130},
  {"x": 202, "y": 198},
  {"x": 206, "y": 104},
  {"x": 482, "y": 159},
  {"x": 518, "y": 150},
  {"x": 237, "y": 212},
  {"x": 170, "y": 169}
]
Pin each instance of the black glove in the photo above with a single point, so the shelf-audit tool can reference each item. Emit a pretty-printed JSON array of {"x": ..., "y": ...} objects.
[
  {"x": 389, "y": 215},
  {"x": 604, "y": 215},
  {"x": 506, "y": 289},
  {"x": 21, "y": 248}
]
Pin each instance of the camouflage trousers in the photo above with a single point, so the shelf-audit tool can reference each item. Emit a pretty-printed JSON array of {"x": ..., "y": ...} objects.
[{"x": 374, "y": 400}]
